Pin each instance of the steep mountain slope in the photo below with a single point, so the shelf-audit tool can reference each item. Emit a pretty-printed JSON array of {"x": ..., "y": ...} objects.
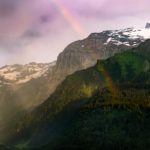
[{"x": 122, "y": 80}]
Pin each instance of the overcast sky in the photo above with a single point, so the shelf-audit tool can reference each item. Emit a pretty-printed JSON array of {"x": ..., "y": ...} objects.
[{"x": 38, "y": 30}]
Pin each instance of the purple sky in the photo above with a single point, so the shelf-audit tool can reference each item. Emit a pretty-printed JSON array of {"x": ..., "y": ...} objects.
[{"x": 38, "y": 30}]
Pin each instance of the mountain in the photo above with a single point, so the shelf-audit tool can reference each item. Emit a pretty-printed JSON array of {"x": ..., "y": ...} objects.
[
  {"x": 117, "y": 88},
  {"x": 23, "y": 88},
  {"x": 76, "y": 56},
  {"x": 20, "y": 82},
  {"x": 84, "y": 53},
  {"x": 19, "y": 74}
]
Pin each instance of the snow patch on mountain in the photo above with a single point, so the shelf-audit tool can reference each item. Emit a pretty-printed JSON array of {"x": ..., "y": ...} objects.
[
  {"x": 128, "y": 36},
  {"x": 18, "y": 74}
]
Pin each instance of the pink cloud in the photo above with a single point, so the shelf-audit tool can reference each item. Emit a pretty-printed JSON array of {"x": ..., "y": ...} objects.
[
  {"x": 108, "y": 8},
  {"x": 26, "y": 24}
]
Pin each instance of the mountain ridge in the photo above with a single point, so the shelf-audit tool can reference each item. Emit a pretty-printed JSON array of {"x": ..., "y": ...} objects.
[{"x": 19, "y": 74}]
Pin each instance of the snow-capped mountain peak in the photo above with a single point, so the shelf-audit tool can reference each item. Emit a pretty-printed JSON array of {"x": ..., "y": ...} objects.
[
  {"x": 129, "y": 36},
  {"x": 18, "y": 74}
]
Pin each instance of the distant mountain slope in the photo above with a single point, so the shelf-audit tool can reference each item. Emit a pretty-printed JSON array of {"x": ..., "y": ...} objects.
[
  {"x": 22, "y": 88},
  {"x": 19, "y": 74},
  {"x": 19, "y": 85},
  {"x": 123, "y": 79}
]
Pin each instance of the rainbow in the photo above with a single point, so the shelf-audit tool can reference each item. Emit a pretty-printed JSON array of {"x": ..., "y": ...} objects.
[
  {"x": 69, "y": 17},
  {"x": 108, "y": 81},
  {"x": 76, "y": 26}
]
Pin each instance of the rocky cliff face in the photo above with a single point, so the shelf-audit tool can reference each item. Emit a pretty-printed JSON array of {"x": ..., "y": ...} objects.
[{"x": 84, "y": 53}]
